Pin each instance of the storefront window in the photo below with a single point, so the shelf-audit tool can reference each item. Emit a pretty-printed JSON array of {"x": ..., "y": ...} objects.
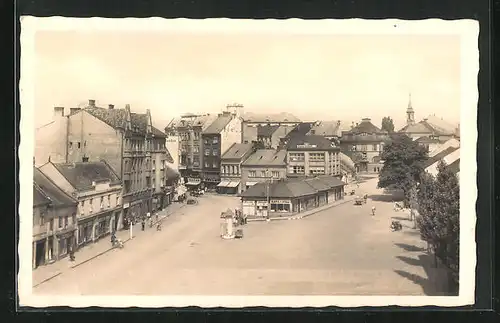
[{"x": 279, "y": 207}]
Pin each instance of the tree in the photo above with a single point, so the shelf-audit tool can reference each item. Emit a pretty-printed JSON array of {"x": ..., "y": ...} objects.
[
  {"x": 388, "y": 124},
  {"x": 403, "y": 163},
  {"x": 439, "y": 208}
]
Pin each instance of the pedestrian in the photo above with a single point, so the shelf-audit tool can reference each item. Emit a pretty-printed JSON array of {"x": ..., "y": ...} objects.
[
  {"x": 373, "y": 210},
  {"x": 143, "y": 225}
]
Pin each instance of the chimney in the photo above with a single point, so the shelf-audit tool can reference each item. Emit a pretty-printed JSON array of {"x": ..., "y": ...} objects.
[
  {"x": 58, "y": 112},
  {"x": 91, "y": 103},
  {"x": 111, "y": 106},
  {"x": 73, "y": 110}
]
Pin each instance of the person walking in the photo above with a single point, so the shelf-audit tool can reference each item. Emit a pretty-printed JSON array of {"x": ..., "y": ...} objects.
[{"x": 373, "y": 210}]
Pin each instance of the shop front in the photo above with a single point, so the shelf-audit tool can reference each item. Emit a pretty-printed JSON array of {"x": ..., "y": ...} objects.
[
  {"x": 228, "y": 186},
  {"x": 65, "y": 241},
  {"x": 281, "y": 206},
  {"x": 85, "y": 228},
  {"x": 193, "y": 183}
]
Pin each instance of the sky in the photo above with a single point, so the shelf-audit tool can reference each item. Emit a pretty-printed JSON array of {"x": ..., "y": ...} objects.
[{"x": 315, "y": 77}]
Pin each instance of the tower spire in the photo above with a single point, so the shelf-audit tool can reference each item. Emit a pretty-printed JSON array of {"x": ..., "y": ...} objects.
[{"x": 410, "y": 113}]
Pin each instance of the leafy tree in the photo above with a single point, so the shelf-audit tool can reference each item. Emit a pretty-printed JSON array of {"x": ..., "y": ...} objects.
[
  {"x": 388, "y": 124},
  {"x": 439, "y": 208},
  {"x": 403, "y": 163}
]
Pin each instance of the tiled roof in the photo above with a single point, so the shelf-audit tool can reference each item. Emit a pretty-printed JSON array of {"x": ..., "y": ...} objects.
[
  {"x": 45, "y": 190},
  {"x": 266, "y": 131},
  {"x": 431, "y": 125},
  {"x": 449, "y": 143},
  {"x": 218, "y": 124},
  {"x": 158, "y": 133},
  {"x": 116, "y": 118},
  {"x": 289, "y": 188},
  {"x": 326, "y": 128},
  {"x": 426, "y": 140},
  {"x": 278, "y": 117},
  {"x": 237, "y": 151},
  {"x": 139, "y": 121},
  {"x": 438, "y": 157},
  {"x": 81, "y": 175},
  {"x": 315, "y": 142},
  {"x": 365, "y": 126},
  {"x": 440, "y": 125},
  {"x": 266, "y": 157}
]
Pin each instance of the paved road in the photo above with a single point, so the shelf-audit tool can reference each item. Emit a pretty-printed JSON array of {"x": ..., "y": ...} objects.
[{"x": 339, "y": 251}]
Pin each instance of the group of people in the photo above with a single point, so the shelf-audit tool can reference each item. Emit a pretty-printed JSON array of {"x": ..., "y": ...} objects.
[{"x": 151, "y": 223}]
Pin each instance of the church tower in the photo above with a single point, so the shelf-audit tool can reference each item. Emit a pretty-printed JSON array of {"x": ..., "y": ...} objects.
[{"x": 410, "y": 114}]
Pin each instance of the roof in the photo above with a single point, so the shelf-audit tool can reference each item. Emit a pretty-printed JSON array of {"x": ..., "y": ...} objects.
[
  {"x": 432, "y": 125},
  {"x": 308, "y": 142},
  {"x": 192, "y": 120},
  {"x": 277, "y": 117},
  {"x": 266, "y": 157},
  {"x": 237, "y": 151},
  {"x": 439, "y": 124},
  {"x": 433, "y": 159},
  {"x": 290, "y": 188},
  {"x": 448, "y": 160},
  {"x": 116, "y": 118},
  {"x": 46, "y": 191},
  {"x": 158, "y": 133},
  {"x": 218, "y": 124},
  {"x": 82, "y": 174},
  {"x": 449, "y": 143},
  {"x": 427, "y": 140},
  {"x": 365, "y": 126},
  {"x": 266, "y": 131},
  {"x": 326, "y": 128}
]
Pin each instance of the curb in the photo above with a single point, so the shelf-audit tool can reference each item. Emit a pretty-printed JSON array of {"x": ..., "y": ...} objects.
[{"x": 46, "y": 279}]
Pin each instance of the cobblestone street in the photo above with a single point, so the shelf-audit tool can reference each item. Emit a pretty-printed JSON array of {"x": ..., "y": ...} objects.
[{"x": 338, "y": 251}]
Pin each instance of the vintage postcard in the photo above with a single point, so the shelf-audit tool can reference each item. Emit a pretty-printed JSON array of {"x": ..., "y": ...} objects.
[{"x": 234, "y": 163}]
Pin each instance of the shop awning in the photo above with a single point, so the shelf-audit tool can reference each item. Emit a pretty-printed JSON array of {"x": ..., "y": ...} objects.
[
  {"x": 193, "y": 183},
  {"x": 233, "y": 184},
  {"x": 250, "y": 183},
  {"x": 223, "y": 184}
]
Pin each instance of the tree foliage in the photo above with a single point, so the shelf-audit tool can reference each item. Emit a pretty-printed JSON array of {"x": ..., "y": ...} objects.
[
  {"x": 439, "y": 208},
  {"x": 388, "y": 124},
  {"x": 403, "y": 163}
]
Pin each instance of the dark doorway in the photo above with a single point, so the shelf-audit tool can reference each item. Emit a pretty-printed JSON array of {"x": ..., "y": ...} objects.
[{"x": 40, "y": 253}]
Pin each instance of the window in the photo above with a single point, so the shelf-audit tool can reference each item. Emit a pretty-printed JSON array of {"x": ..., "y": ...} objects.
[
  {"x": 206, "y": 141},
  {"x": 117, "y": 200},
  {"x": 82, "y": 207},
  {"x": 215, "y": 152},
  {"x": 66, "y": 221},
  {"x": 215, "y": 140},
  {"x": 275, "y": 174},
  {"x": 207, "y": 164},
  {"x": 90, "y": 206},
  {"x": 196, "y": 149},
  {"x": 297, "y": 169},
  {"x": 101, "y": 204},
  {"x": 78, "y": 145},
  {"x": 51, "y": 225},
  {"x": 280, "y": 207},
  {"x": 60, "y": 221},
  {"x": 296, "y": 156},
  {"x": 374, "y": 148},
  {"x": 207, "y": 152},
  {"x": 70, "y": 144},
  {"x": 317, "y": 170},
  {"x": 109, "y": 200},
  {"x": 263, "y": 173},
  {"x": 316, "y": 157},
  {"x": 215, "y": 164},
  {"x": 154, "y": 164},
  {"x": 252, "y": 173}
]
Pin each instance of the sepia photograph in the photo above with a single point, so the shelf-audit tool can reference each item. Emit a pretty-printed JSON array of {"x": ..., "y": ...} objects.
[{"x": 234, "y": 163}]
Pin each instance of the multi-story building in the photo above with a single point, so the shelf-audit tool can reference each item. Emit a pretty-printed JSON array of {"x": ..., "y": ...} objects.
[
  {"x": 189, "y": 128},
  {"x": 363, "y": 144},
  {"x": 122, "y": 138},
  {"x": 286, "y": 122},
  {"x": 98, "y": 190},
  {"x": 270, "y": 135},
  {"x": 172, "y": 143},
  {"x": 54, "y": 220},
  {"x": 160, "y": 158},
  {"x": 216, "y": 139},
  {"x": 230, "y": 169},
  {"x": 261, "y": 166},
  {"x": 312, "y": 155}
]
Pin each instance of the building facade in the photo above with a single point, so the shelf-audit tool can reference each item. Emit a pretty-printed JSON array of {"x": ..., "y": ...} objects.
[
  {"x": 122, "y": 138},
  {"x": 160, "y": 157},
  {"x": 262, "y": 165},
  {"x": 363, "y": 144},
  {"x": 251, "y": 123},
  {"x": 286, "y": 197},
  {"x": 312, "y": 155},
  {"x": 98, "y": 190},
  {"x": 221, "y": 134},
  {"x": 54, "y": 221},
  {"x": 230, "y": 169},
  {"x": 189, "y": 129}
]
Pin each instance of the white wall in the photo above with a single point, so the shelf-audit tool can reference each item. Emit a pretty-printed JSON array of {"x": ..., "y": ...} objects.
[
  {"x": 172, "y": 144},
  {"x": 231, "y": 134}
]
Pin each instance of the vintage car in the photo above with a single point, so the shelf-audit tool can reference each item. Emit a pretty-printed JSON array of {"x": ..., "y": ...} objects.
[{"x": 359, "y": 200}]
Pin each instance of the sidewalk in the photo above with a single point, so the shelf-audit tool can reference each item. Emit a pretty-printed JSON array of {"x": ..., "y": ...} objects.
[
  {"x": 94, "y": 250},
  {"x": 298, "y": 216}
]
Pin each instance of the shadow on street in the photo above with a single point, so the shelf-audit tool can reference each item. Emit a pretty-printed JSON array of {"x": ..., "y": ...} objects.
[
  {"x": 436, "y": 282},
  {"x": 409, "y": 248},
  {"x": 384, "y": 198}
]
